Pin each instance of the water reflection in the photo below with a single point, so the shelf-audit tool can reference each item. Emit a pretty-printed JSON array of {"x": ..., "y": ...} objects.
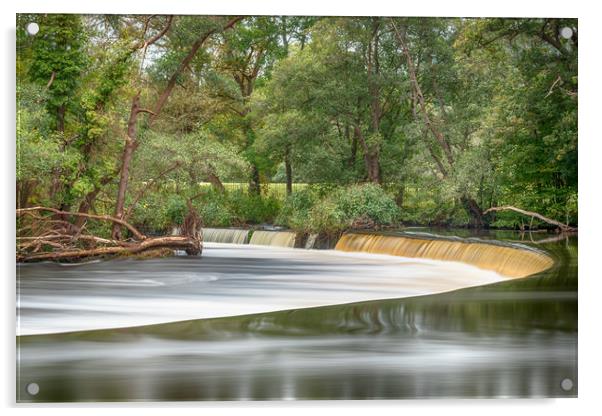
[
  {"x": 510, "y": 339},
  {"x": 343, "y": 367}
]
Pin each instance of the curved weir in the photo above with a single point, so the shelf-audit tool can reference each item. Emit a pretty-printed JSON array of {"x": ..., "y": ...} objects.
[
  {"x": 273, "y": 238},
  {"x": 506, "y": 260},
  {"x": 225, "y": 235}
]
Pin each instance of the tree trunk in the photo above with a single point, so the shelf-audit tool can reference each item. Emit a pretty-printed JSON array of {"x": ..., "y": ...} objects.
[
  {"x": 60, "y": 118},
  {"x": 70, "y": 242},
  {"x": 474, "y": 211},
  {"x": 353, "y": 139},
  {"x": 191, "y": 247},
  {"x": 24, "y": 191},
  {"x": 135, "y": 233},
  {"x": 289, "y": 171},
  {"x": 371, "y": 157},
  {"x": 85, "y": 206},
  {"x": 420, "y": 97},
  {"x": 215, "y": 182},
  {"x": 131, "y": 143},
  {"x": 254, "y": 183}
]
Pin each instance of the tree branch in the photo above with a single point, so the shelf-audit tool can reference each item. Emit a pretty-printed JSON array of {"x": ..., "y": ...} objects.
[
  {"x": 563, "y": 227},
  {"x": 108, "y": 218},
  {"x": 146, "y": 43},
  {"x": 148, "y": 186},
  {"x": 183, "y": 64},
  {"x": 174, "y": 242}
]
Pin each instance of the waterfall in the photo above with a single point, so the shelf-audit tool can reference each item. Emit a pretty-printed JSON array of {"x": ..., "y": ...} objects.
[
  {"x": 505, "y": 260},
  {"x": 311, "y": 240},
  {"x": 273, "y": 238},
  {"x": 225, "y": 235}
]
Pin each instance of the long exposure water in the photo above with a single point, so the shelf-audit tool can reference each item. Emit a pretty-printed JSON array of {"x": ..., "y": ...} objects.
[{"x": 511, "y": 338}]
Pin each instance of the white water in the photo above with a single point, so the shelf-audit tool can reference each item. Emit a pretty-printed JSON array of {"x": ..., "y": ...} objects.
[
  {"x": 224, "y": 235},
  {"x": 273, "y": 238},
  {"x": 228, "y": 280}
]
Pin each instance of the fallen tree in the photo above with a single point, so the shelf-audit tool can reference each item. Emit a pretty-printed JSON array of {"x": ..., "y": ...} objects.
[
  {"x": 561, "y": 226},
  {"x": 54, "y": 237}
]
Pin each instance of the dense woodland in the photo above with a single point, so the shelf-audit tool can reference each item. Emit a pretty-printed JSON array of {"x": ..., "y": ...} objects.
[{"x": 315, "y": 124}]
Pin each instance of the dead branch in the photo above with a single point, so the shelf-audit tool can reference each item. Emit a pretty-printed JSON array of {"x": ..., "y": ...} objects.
[
  {"x": 558, "y": 79},
  {"x": 60, "y": 240},
  {"x": 174, "y": 242},
  {"x": 561, "y": 226},
  {"x": 50, "y": 81}
]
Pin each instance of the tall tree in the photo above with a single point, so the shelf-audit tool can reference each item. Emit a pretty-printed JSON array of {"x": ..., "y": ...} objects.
[{"x": 131, "y": 137}]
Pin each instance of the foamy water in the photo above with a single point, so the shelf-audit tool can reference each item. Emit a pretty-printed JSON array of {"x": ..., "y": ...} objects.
[{"x": 227, "y": 280}]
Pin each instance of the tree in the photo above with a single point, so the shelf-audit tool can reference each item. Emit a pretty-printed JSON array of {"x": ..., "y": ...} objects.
[
  {"x": 131, "y": 137},
  {"x": 57, "y": 62}
]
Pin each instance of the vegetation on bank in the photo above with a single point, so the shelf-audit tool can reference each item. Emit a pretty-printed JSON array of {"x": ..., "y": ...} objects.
[{"x": 328, "y": 123}]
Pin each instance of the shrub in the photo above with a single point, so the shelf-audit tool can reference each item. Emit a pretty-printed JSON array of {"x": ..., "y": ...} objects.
[
  {"x": 175, "y": 211},
  {"x": 367, "y": 201},
  {"x": 295, "y": 211},
  {"x": 215, "y": 213},
  {"x": 326, "y": 217},
  {"x": 344, "y": 208},
  {"x": 253, "y": 209},
  {"x": 157, "y": 212}
]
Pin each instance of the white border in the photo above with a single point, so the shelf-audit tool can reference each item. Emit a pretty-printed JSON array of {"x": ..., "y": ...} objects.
[{"x": 590, "y": 96}]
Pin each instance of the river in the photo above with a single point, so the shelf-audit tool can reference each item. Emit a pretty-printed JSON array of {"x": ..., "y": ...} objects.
[{"x": 404, "y": 328}]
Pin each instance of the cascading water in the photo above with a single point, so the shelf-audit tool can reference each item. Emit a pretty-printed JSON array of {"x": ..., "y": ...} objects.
[
  {"x": 273, "y": 238},
  {"x": 225, "y": 235},
  {"x": 505, "y": 260},
  {"x": 311, "y": 241}
]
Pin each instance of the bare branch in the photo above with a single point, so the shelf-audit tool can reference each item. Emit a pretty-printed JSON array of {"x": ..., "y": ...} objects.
[
  {"x": 108, "y": 218},
  {"x": 563, "y": 227}
]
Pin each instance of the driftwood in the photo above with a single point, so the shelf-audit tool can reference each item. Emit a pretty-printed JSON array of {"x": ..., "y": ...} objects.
[
  {"x": 174, "y": 242},
  {"x": 48, "y": 238},
  {"x": 561, "y": 226}
]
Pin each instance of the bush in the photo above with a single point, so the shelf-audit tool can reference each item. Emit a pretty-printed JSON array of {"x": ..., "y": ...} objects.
[
  {"x": 326, "y": 217},
  {"x": 317, "y": 209},
  {"x": 341, "y": 209},
  {"x": 367, "y": 201},
  {"x": 295, "y": 211},
  {"x": 175, "y": 211},
  {"x": 157, "y": 212},
  {"x": 215, "y": 213},
  {"x": 253, "y": 209}
]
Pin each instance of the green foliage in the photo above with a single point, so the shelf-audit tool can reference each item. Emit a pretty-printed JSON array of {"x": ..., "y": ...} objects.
[
  {"x": 295, "y": 211},
  {"x": 349, "y": 207},
  {"x": 253, "y": 209},
  {"x": 317, "y": 99},
  {"x": 365, "y": 202},
  {"x": 58, "y": 58},
  {"x": 215, "y": 212},
  {"x": 39, "y": 148},
  {"x": 175, "y": 211}
]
